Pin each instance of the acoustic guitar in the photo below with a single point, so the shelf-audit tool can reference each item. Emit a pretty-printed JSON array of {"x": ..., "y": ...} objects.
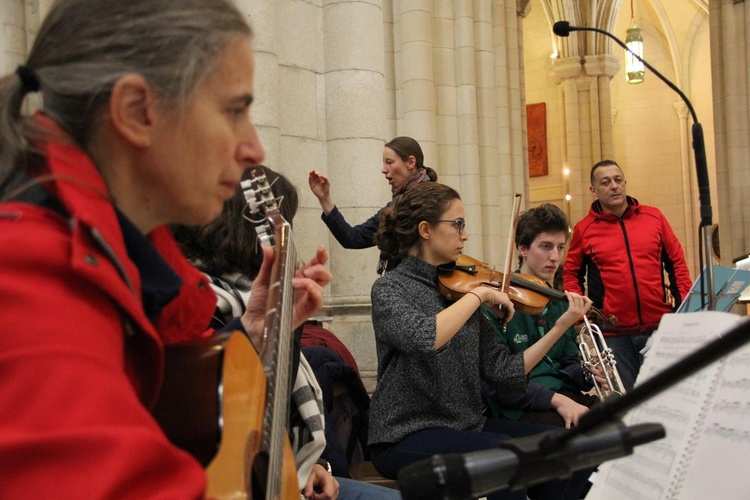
[{"x": 227, "y": 404}]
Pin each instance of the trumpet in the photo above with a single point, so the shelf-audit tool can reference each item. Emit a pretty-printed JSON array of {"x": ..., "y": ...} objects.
[{"x": 595, "y": 353}]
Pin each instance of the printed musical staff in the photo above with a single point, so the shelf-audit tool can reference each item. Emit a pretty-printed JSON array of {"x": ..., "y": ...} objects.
[{"x": 708, "y": 436}]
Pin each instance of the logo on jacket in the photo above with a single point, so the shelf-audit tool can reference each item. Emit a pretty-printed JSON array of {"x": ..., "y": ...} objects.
[{"x": 520, "y": 338}]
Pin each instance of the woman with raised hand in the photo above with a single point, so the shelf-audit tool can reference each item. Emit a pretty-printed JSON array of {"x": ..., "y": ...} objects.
[
  {"x": 145, "y": 123},
  {"x": 403, "y": 168}
]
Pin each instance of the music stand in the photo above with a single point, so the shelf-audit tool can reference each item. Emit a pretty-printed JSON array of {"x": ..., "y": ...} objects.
[{"x": 728, "y": 284}]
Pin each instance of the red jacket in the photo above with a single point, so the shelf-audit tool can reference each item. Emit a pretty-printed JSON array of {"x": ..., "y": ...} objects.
[
  {"x": 623, "y": 260},
  {"x": 80, "y": 362}
]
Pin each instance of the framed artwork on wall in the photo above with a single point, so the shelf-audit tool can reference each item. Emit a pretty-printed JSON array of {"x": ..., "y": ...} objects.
[{"x": 536, "y": 133}]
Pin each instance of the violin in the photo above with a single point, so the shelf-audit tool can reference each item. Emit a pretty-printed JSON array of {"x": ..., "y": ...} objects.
[{"x": 529, "y": 294}]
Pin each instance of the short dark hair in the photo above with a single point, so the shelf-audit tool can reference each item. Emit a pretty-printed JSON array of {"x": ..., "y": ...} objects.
[
  {"x": 546, "y": 218},
  {"x": 603, "y": 163}
]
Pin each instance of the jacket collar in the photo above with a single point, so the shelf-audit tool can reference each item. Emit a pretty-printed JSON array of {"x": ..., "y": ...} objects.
[
  {"x": 598, "y": 212},
  {"x": 78, "y": 184}
]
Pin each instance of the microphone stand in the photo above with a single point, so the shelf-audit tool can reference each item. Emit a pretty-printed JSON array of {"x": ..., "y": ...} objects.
[{"x": 699, "y": 151}]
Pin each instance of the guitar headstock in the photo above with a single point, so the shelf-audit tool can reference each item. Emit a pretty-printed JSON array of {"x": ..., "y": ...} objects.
[{"x": 263, "y": 206}]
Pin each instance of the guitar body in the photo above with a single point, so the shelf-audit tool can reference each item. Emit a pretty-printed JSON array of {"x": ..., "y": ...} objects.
[
  {"x": 212, "y": 406},
  {"x": 259, "y": 460},
  {"x": 242, "y": 400},
  {"x": 240, "y": 456}
]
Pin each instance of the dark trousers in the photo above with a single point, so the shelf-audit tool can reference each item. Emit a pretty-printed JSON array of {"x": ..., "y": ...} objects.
[
  {"x": 390, "y": 458},
  {"x": 627, "y": 351}
]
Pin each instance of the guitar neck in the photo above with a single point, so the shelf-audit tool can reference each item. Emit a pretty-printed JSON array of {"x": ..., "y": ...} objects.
[
  {"x": 277, "y": 354},
  {"x": 277, "y": 343}
]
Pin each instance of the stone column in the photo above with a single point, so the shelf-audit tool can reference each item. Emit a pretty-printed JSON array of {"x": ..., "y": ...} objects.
[
  {"x": 447, "y": 160},
  {"x": 417, "y": 82},
  {"x": 354, "y": 89},
  {"x": 587, "y": 117},
  {"x": 567, "y": 70},
  {"x": 505, "y": 173},
  {"x": 601, "y": 69},
  {"x": 730, "y": 66},
  {"x": 262, "y": 16},
  {"x": 466, "y": 116}
]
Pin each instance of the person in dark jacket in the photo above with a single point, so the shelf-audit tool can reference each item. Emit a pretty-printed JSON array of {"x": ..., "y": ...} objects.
[
  {"x": 628, "y": 260},
  {"x": 554, "y": 395},
  {"x": 403, "y": 168}
]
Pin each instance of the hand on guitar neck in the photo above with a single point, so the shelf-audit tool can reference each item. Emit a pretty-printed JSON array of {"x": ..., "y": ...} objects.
[{"x": 308, "y": 283}]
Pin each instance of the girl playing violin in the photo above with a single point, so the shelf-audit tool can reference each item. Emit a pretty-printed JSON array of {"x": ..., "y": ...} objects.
[{"x": 433, "y": 352}]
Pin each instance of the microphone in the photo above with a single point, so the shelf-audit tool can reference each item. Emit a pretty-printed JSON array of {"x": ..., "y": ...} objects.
[
  {"x": 563, "y": 28},
  {"x": 518, "y": 463}
]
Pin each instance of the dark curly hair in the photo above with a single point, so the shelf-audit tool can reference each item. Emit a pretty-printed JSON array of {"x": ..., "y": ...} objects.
[{"x": 398, "y": 229}]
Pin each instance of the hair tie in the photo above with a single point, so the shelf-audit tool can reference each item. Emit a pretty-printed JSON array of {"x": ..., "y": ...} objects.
[{"x": 29, "y": 80}]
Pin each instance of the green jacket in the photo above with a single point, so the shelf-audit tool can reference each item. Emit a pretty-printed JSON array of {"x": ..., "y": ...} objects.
[{"x": 559, "y": 369}]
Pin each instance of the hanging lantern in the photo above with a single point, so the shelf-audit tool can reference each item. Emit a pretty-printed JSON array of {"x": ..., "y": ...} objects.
[{"x": 633, "y": 67}]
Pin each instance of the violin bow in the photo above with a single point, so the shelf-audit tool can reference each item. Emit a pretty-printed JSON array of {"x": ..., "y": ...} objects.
[{"x": 509, "y": 252}]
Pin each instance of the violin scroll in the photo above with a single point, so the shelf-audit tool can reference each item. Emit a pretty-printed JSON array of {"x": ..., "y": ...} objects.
[{"x": 605, "y": 323}]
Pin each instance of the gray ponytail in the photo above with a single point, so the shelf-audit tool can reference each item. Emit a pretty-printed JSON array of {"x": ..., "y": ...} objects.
[{"x": 84, "y": 46}]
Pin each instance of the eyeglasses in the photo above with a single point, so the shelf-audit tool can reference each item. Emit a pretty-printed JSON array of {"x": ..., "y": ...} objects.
[{"x": 460, "y": 223}]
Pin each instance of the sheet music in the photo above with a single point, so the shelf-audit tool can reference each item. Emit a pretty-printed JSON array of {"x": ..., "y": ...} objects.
[
  {"x": 721, "y": 448},
  {"x": 654, "y": 471}
]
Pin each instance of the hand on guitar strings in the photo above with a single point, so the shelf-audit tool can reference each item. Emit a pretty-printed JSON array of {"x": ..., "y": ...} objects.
[{"x": 308, "y": 283}]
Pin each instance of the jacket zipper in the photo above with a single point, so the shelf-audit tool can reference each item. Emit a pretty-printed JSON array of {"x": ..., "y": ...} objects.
[{"x": 632, "y": 270}]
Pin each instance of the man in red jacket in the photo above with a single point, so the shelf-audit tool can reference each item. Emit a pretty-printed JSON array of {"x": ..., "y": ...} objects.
[{"x": 632, "y": 263}]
